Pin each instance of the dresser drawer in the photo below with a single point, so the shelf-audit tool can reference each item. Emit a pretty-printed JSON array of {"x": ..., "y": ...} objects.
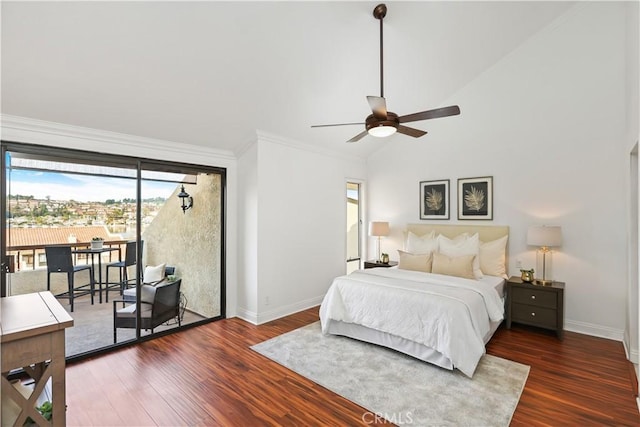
[
  {"x": 536, "y": 297},
  {"x": 534, "y": 315}
]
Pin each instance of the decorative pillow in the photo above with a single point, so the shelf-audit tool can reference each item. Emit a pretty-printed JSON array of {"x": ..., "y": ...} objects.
[
  {"x": 459, "y": 238},
  {"x": 421, "y": 245},
  {"x": 153, "y": 274},
  {"x": 468, "y": 246},
  {"x": 147, "y": 293},
  {"x": 493, "y": 257},
  {"x": 416, "y": 262},
  {"x": 461, "y": 266}
]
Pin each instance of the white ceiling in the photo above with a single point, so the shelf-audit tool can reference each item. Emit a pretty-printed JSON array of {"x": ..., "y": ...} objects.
[{"x": 211, "y": 73}]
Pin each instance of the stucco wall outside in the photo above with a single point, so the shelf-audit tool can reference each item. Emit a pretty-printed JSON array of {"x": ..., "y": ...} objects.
[{"x": 191, "y": 242}]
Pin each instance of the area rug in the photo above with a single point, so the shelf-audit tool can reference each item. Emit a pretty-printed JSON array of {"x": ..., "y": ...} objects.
[{"x": 397, "y": 387}]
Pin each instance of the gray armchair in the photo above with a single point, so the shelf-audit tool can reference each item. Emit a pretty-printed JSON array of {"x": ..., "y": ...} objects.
[{"x": 158, "y": 304}]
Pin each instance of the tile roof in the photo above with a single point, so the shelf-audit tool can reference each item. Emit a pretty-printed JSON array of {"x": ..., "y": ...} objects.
[{"x": 55, "y": 235}]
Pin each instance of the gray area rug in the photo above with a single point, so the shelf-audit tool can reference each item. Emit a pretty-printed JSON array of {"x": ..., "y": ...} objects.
[{"x": 400, "y": 388}]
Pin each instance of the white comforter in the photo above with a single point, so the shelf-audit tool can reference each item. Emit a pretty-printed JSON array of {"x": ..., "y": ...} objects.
[{"x": 448, "y": 314}]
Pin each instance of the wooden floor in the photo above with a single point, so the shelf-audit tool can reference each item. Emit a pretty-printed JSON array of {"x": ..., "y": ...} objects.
[{"x": 208, "y": 376}]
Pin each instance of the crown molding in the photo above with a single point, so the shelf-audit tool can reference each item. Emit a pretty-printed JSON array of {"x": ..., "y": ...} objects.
[
  {"x": 34, "y": 131},
  {"x": 276, "y": 139}
]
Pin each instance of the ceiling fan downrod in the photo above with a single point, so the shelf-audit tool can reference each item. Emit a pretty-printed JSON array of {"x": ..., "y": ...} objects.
[
  {"x": 382, "y": 122},
  {"x": 379, "y": 12}
]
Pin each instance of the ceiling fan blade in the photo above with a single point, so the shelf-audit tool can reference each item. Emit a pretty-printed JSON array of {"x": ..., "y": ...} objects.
[
  {"x": 416, "y": 133},
  {"x": 430, "y": 114},
  {"x": 378, "y": 106},
  {"x": 339, "y": 124},
  {"x": 358, "y": 137}
]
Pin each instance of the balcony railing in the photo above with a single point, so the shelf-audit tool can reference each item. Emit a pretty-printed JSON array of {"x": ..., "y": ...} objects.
[{"x": 18, "y": 256}]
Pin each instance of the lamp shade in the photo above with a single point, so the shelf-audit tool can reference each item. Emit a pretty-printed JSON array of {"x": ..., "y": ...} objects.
[
  {"x": 377, "y": 228},
  {"x": 544, "y": 235}
]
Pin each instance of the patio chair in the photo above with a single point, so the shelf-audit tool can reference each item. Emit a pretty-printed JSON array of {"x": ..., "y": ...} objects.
[
  {"x": 158, "y": 304},
  {"x": 152, "y": 276},
  {"x": 130, "y": 259},
  {"x": 59, "y": 260}
]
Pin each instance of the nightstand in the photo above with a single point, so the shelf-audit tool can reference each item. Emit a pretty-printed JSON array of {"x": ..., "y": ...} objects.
[
  {"x": 535, "y": 305},
  {"x": 374, "y": 264}
]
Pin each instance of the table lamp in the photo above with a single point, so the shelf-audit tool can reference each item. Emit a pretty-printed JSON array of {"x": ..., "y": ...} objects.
[
  {"x": 378, "y": 229},
  {"x": 545, "y": 237}
]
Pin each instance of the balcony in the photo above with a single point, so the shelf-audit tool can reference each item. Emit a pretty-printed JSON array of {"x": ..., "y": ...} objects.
[{"x": 26, "y": 271}]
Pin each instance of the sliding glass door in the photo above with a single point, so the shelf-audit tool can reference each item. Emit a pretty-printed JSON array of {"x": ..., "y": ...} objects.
[{"x": 161, "y": 231}]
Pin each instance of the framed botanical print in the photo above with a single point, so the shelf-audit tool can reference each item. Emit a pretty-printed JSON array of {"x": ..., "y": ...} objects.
[
  {"x": 475, "y": 198},
  {"x": 434, "y": 199}
]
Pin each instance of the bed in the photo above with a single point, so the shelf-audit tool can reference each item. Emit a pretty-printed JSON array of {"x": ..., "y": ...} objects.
[{"x": 434, "y": 314}]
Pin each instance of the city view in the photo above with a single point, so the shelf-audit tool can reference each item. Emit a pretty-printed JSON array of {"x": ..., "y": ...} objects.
[
  {"x": 45, "y": 199},
  {"x": 119, "y": 216}
]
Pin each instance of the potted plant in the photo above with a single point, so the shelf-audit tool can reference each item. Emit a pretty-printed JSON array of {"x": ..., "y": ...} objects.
[{"x": 97, "y": 242}]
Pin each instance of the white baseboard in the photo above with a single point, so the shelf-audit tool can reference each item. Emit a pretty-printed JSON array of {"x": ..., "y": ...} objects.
[
  {"x": 277, "y": 312},
  {"x": 594, "y": 330},
  {"x": 249, "y": 316},
  {"x": 632, "y": 354}
]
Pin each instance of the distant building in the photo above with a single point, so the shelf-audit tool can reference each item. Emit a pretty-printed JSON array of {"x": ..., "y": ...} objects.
[{"x": 26, "y": 245}]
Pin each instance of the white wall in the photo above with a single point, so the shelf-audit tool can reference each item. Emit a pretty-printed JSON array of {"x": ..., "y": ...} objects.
[
  {"x": 248, "y": 233},
  {"x": 632, "y": 337},
  {"x": 548, "y": 123},
  {"x": 301, "y": 222}
]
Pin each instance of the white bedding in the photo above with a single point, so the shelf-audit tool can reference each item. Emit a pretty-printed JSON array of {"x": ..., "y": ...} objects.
[{"x": 448, "y": 314}]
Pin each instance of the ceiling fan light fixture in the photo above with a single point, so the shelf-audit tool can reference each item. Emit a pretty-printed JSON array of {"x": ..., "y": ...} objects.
[
  {"x": 383, "y": 123},
  {"x": 382, "y": 131}
]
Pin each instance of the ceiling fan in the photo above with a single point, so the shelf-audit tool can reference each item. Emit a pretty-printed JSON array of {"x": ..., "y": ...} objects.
[{"x": 385, "y": 123}]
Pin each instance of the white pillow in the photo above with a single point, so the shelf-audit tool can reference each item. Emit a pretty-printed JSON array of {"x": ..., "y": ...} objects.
[
  {"x": 493, "y": 257},
  {"x": 421, "y": 245},
  {"x": 459, "y": 238},
  {"x": 469, "y": 246},
  {"x": 153, "y": 274}
]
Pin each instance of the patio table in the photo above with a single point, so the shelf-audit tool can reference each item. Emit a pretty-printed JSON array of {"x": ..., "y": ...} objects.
[{"x": 99, "y": 252}]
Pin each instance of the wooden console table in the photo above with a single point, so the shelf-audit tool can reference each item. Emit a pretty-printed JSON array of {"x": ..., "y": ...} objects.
[{"x": 32, "y": 337}]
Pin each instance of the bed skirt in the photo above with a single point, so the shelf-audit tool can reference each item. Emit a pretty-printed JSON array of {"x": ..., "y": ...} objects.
[{"x": 394, "y": 342}]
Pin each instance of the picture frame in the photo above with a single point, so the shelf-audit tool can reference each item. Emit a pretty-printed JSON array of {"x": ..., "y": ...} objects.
[
  {"x": 475, "y": 198},
  {"x": 434, "y": 199}
]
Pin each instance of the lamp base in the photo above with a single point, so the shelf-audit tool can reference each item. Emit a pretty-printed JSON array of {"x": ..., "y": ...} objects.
[{"x": 543, "y": 282}]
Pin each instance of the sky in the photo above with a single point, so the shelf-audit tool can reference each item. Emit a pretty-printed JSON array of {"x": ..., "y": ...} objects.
[{"x": 81, "y": 188}]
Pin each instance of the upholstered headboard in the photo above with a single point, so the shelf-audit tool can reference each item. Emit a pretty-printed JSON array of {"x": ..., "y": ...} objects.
[{"x": 486, "y": 233}]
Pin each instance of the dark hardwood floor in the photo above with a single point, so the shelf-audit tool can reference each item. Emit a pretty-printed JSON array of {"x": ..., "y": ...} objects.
[{"x": 209, "y": 376}]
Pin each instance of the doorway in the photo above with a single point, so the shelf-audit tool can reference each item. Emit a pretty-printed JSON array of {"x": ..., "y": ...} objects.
[{"x": 354, "y": 226}]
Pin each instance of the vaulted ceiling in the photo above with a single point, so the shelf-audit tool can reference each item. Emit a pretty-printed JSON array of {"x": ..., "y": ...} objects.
[{"x": 212, "y": 73}]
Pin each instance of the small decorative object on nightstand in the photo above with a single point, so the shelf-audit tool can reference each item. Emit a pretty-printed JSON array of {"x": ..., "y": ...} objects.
[
  {"x": 526, "y": 275},
  {"x": 374, "y": 264},
  {"x": 530, "y": 304}
]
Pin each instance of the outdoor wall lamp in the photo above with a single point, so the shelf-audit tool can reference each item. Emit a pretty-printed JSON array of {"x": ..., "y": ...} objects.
[{"x": 187, "y": 200}]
